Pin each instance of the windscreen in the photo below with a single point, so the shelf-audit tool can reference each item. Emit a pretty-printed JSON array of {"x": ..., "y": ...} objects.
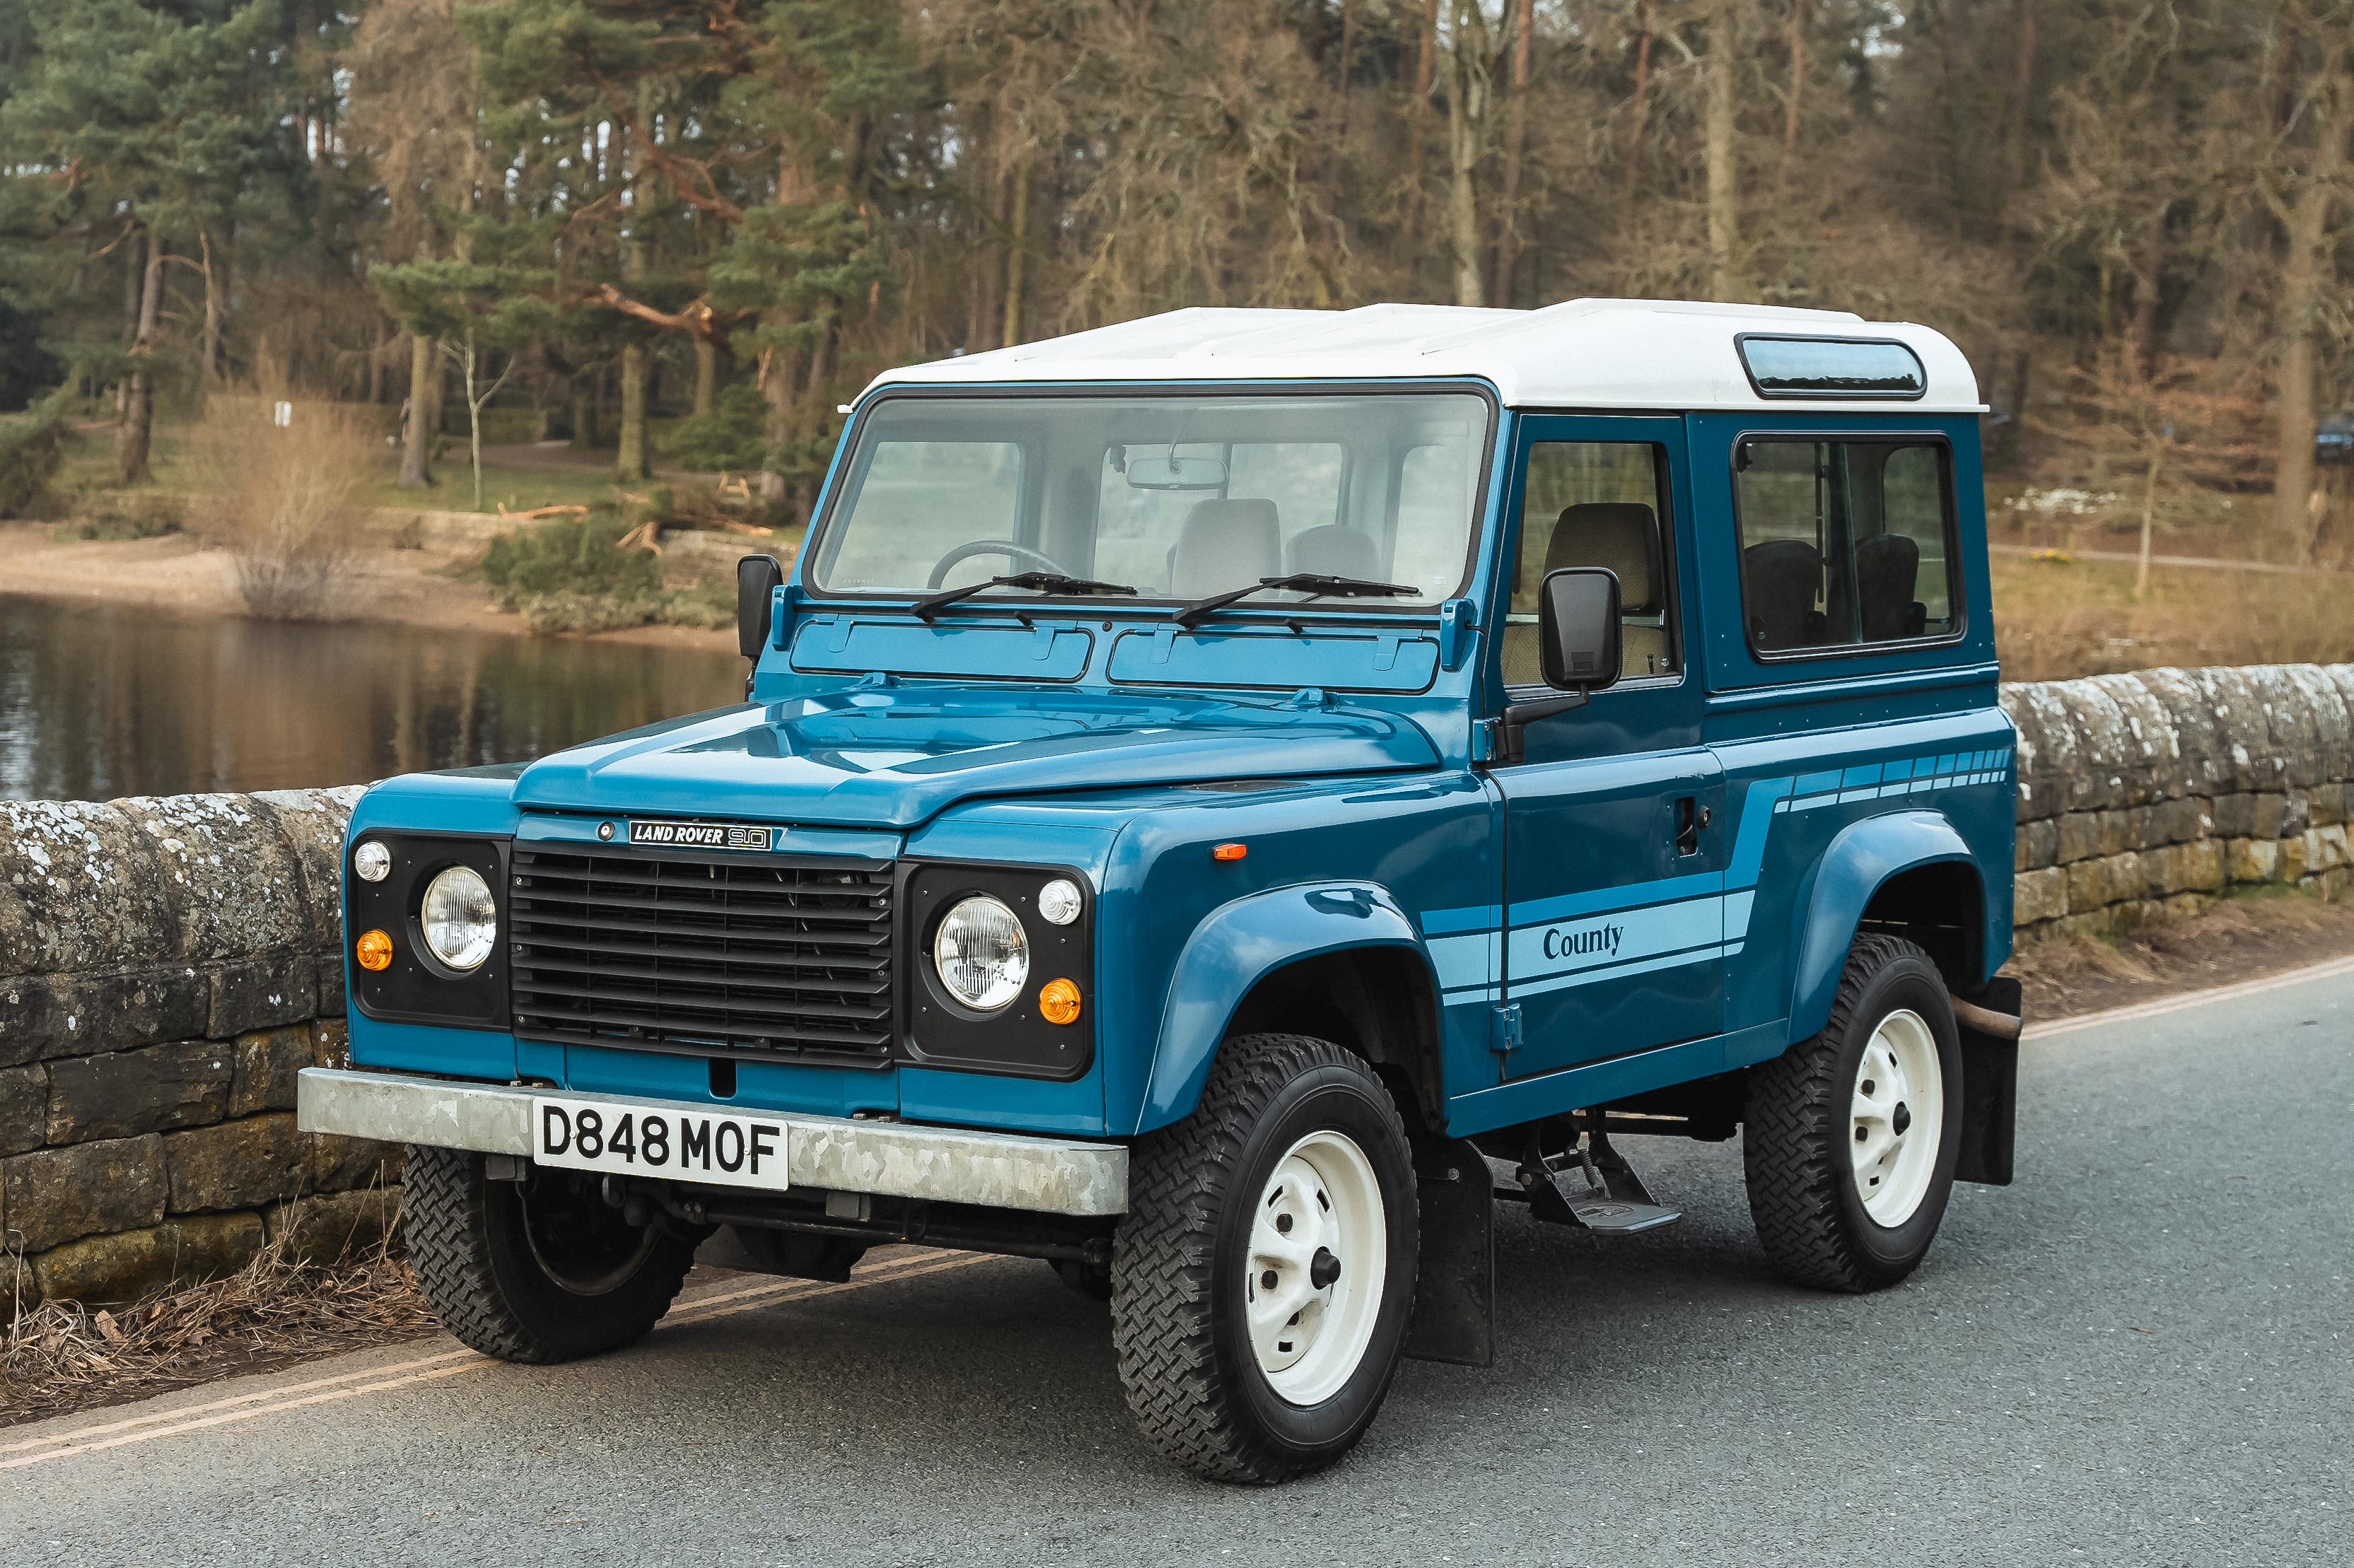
[{"x": 1177, "y": 497}]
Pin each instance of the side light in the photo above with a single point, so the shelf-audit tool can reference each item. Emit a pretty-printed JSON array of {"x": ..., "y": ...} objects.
[
  {"x": 374, "y": 950},
  {"x": 372, "y": 861},
  {"x": 1058, "y": 1001},
  {"x": 1229, "y": 852}
]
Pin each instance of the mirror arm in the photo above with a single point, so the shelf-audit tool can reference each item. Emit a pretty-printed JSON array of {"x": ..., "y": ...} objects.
[{"x": 1518, "y": 716}]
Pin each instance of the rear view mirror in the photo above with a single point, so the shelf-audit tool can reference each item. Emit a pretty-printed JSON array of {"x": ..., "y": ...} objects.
[
  {"x": 1167, "y": 470},
  {"x": 1577, "y": 615},
  {"x": 757, "y": 578}
]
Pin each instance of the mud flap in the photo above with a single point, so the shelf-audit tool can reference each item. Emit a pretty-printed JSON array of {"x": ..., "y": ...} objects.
[
  {"x": 1989, "y": 1090},
  {"x": 1455, "y": 1294}
]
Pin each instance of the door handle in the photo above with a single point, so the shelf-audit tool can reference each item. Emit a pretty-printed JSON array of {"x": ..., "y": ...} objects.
[{"x": 1692, "y": 817}]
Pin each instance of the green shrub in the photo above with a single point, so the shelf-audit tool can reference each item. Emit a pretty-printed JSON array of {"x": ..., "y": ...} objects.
[
  {"x": 123, "y": 515},
  {"x": 727, "y": 438},
  {"x": 568, "y": 557},
  {"x": 32, "y": 446}
]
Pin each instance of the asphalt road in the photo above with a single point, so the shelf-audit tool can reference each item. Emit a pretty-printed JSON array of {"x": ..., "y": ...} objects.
[{"x": 2141, "y": 1354}]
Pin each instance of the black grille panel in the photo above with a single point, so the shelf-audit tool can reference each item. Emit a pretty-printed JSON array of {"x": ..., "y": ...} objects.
[{"x": 679, "y": 952}]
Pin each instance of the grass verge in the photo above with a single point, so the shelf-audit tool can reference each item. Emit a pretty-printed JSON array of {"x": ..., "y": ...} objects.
[{"x": 62, "y": 1357}]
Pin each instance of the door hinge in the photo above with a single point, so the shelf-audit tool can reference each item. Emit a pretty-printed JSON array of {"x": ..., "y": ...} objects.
[{"x": 1504, "y": 1029}]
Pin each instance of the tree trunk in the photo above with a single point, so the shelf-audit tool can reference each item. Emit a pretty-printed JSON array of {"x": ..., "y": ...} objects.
[
  {"x": 208, "y": 346},
  {"x": 134, "y": 436},
  {"x": 706, "y": 374},
  {"x": 2149, "y": 276},
  {"x": 583, "y": 412},
  {"x": 1017, "y": 250},
  {"x": 631, "y": 460},
  {"x": 2304, "y": 266},
  {"x": 135, "y": 279},
  {"x": 1638, "y": 110},
  {"x": 1466, "y": 115},
  {"x": 1516, "y": 132},
  {"x": 1725, "y": 281},
  {"x": 418, "y": 428},
  {"x": 1793, "y": 109},
  {"x": 2023, "y": 98}
]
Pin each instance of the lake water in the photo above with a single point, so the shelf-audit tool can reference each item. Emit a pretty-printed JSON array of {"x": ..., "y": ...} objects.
[{"x": 102, "y": 700}]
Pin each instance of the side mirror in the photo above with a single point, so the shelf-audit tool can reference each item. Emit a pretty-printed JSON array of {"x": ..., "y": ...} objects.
[
  {"x": 757, "y": 578},
  {"x": 1577, "y": 622},
  {"x": 1577, "y": 648}
]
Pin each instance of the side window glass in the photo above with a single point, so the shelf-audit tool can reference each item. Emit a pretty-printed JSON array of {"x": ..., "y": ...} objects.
[
  {"x": 1843, "y": 543},
  {"x": 1595, "y": 504}
]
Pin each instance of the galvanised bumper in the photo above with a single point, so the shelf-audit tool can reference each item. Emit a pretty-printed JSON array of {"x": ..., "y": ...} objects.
[{"x": 993, "y": 1170}]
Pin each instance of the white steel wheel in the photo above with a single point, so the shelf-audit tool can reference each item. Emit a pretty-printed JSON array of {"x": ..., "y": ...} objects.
[
  {"x": 1318, "y": 1259},
  {"x": 1896, "y": 1117}
]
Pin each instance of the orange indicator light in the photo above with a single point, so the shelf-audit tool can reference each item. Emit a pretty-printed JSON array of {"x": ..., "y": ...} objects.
[
  {"x": 1230, "y": 851},
  {"x": 374, "y": 951},
  {"x": 1058, "y": 1001}
]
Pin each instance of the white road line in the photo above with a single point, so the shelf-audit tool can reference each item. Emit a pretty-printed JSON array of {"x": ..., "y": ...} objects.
[
  {"x": 240, "y": 1408},
  {"x": 2188, "y": 999}
]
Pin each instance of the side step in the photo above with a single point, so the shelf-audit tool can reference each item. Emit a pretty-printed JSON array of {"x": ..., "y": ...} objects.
[{"x": 1591, "y": 1187}]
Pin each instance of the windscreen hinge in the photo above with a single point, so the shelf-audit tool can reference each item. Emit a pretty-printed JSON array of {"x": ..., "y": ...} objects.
[{"x": 1504, "y": 1028}]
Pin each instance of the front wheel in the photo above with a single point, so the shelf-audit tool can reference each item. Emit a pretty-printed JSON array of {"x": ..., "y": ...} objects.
[
  {"x": 537, "y": 1270},
  {"x": 1850, "y": 1137},
  {"x": 1264, "y": 1274}
]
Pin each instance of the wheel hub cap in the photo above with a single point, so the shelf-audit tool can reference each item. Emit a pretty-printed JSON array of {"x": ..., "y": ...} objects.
[
  {"x": 1319, "y": 1255},
  {"x": 1896, "y": 1117}
]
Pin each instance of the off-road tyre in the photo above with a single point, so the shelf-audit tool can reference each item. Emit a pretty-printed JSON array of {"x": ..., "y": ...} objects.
[
  {"x": 1802, "y": 1185},
  {"x": 474, "y": 1260},
  {"x": 1194, "y": 1385}
]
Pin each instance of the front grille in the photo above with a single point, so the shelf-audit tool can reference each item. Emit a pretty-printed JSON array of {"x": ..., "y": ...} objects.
[{"x": 768, "y": 956}]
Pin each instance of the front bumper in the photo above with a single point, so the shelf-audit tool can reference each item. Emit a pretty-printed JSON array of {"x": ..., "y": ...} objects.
[{"x": 990, "y": 1170}]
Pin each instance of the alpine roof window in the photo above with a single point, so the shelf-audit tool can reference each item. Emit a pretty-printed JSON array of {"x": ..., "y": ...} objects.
[{"x": 1845, "y": 368}]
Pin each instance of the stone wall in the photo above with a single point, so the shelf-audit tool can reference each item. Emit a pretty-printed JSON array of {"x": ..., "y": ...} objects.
[
  {"x": 166, "y": 966},
  {"x": 2149, "y": 794}
]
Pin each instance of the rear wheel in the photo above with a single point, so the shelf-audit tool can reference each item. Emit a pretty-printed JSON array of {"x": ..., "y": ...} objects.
[
  {"x": 1263, "y": 1276},
  {"x": 1850, "y": 1137},
  {"x": 537, "y": 1270}
]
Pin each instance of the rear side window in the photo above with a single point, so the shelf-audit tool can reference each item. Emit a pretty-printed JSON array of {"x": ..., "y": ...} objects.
[{"x": 1844, "y": 543}]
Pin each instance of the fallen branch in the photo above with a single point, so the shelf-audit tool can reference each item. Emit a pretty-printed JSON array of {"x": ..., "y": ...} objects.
[{"x": 539, "y": 512}]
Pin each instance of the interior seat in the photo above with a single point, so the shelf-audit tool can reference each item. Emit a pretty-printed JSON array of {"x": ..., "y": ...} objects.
[
  {"x": 1224, "y": 545},
  {"x": 1337, "y": 550},
  {"x": 1780, "y": 581},
  {"x": 1887, "y": 573},
  {"x": 1623, "y": 536}
]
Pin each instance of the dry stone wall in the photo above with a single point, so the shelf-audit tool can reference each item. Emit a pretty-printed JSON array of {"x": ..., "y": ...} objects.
[
  {"x": 2149, "y": 794},
  {"x": 168, "y": 965}
]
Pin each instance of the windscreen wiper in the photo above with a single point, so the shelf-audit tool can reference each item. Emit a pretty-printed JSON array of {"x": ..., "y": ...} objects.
[
  {"x": 1036, "y": 582},
  {"x": 1201, "y": 609}
]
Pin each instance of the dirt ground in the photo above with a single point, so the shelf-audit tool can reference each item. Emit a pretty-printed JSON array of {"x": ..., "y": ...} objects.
[
  {"x": 2235, "y": 939},
  {"x": 423, "y": 588}
]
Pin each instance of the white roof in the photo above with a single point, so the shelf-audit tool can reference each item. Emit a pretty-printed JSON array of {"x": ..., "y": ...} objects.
[{"x": 1583, "y": 354}]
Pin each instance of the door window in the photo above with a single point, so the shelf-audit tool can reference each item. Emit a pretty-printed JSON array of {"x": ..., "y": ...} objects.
[
  {"x": 1595, "y": 504},
  {"x": 1844, "y": 544}
]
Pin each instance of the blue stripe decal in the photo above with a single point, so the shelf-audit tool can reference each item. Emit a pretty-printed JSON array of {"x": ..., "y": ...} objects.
[
  {"x": 1447, "y": 922},
  {"x": 1626, "y": 895},
  {"x": 1617, "y": 971}
]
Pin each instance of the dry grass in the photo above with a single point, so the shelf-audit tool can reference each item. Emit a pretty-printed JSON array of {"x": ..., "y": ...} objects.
[
  {"x": 287, "y": 501},
  {"x": 62, "y": 1356},
  {"x": 2055, "y": 619}
]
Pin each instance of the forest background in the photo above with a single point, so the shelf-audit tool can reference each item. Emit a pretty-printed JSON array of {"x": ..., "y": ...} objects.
[{"x": 684, "y": 231}]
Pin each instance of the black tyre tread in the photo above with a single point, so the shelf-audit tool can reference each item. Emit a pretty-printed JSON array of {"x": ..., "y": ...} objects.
[
  {"x": 1791, "y": 1144},
  {"x": 445, "y": 1199},
  {"x": 1163, "y": 1264}
]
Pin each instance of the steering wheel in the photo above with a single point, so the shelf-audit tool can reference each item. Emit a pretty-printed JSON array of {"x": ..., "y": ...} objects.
[{"x": 1005, "y": 548}]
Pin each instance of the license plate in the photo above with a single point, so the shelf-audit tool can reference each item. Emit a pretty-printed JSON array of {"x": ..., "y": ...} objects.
[{"x": 717, "y": 1146}]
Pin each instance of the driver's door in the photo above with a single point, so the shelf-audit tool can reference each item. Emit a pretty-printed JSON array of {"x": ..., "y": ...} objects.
[{"x": 1614, "y": 850}]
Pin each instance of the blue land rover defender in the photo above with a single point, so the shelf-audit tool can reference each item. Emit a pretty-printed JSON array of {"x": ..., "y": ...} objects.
[{"x": 1220, "y": 802}]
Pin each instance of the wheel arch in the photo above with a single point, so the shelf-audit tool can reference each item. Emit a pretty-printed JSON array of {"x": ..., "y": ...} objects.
[
  {"x": 1909, "y": 874},
  {"x": 1336, "y": 960}
]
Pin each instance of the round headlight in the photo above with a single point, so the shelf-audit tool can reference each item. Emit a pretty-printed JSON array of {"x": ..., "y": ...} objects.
[
  {"x": 1058, "y": 901},
  {"x": 462, "y": 923},
  {"x": 372, "y": 861},
  {"x": 981, "y": 953}
]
